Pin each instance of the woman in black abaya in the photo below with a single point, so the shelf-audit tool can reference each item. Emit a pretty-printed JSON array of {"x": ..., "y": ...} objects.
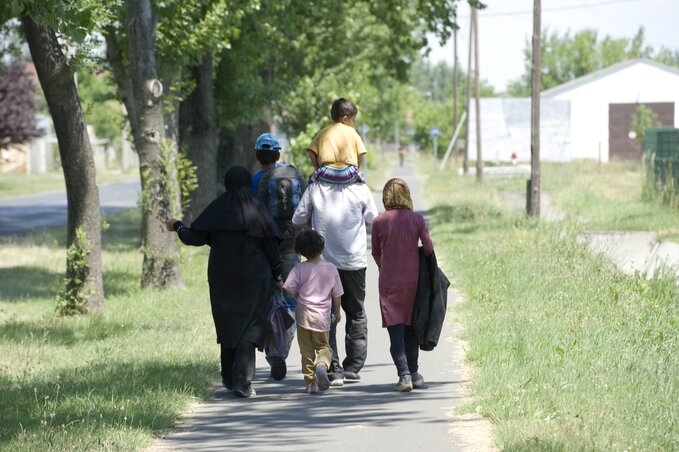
[{"x": 243, "y": 265}]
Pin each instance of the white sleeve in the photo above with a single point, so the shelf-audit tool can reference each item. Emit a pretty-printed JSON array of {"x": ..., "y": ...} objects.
[
  {"x": 370, "y": 210},
  {"x": 304, "y": 208}
]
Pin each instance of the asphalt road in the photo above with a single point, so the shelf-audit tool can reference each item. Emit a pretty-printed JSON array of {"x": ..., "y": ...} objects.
[
  {"x": 363, "y": 416},
  {"x": 24, "y": 214}
]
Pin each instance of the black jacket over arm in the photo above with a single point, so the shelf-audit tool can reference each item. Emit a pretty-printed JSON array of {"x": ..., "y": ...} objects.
[{"x": 431, "y": 302}]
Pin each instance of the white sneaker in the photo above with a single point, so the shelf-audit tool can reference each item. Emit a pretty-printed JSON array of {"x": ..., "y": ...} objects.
[{"x": 337, "y": 382}]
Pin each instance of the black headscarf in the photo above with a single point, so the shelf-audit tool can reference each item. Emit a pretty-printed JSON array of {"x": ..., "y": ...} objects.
[{"x": 237, "y": 209}]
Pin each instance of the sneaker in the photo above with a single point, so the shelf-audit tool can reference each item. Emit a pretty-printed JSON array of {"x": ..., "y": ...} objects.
[
  {"x": 405, "y": 384},
  {"x": 337, "y": 382},
  {"x": 418, "y": 380},
  {"x": 312, "y": 388},
  {"x": 278, "y": 370},
  {"x": 244, "y": 393},
  {"x": 352, "y": 376},
  {"x": 322, "y": 377}
]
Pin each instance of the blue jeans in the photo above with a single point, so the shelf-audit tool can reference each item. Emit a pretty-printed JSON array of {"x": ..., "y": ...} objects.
[
  {"x": 404, "y": 348},
  {"x": 290, "y": 259}
]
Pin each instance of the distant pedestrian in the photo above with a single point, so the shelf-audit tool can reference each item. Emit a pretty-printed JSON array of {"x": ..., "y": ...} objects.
[
  {"x": 244, "y": 263},
  {"x": 395, "y": 236},
  {"x": 337, "y": 152},
  {"x": 316, "y": 285}
]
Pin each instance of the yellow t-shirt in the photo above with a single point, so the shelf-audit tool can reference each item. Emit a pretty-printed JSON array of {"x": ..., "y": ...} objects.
[{"x": 338, "y": 145}]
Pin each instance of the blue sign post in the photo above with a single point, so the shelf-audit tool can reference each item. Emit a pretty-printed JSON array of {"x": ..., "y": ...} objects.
[{"x": 435, "y": 133}]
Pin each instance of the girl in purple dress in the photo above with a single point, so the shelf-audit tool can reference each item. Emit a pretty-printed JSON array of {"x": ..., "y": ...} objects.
[{"x": 395, "y": 239}]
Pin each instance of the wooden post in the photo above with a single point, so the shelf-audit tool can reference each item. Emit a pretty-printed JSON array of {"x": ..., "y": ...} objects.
[
  {"x": 479, "y": 155},
  {"x": 465, "y": 164},
  {"x": 455, "y": 77},
  {"x": 534, "y": 191}
]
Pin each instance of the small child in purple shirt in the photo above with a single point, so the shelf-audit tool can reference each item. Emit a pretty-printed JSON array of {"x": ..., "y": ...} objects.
[{"x": 316, "y": 285}]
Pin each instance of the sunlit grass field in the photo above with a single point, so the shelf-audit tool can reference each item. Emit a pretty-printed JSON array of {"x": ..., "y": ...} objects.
[
  {"x": 99, "y": 382},
  {"x": 108, "y": 382},
  {"x": 570, "y": 353}
]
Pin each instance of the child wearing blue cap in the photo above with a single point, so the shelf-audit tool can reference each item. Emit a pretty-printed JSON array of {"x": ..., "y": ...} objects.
[
  {"x": 280, "y": 187},
  {"x": 267, "y": 153}
]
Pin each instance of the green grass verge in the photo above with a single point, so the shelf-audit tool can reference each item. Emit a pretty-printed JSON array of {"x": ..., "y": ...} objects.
[
  {"x": 570, "y": 353},
  {"x": 22, "y": 184},
  {"x": 103, "y": 382}
]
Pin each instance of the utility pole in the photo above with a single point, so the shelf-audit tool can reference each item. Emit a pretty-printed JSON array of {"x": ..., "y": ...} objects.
[
  {"x": 479, "y": 155},
  {"x": 534, "y": 182},
  {"x": 455, "y": 77},
  {"x": 465, "y": 164}
]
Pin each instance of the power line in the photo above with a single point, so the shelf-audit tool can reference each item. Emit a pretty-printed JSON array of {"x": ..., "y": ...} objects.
[{"x": 557, "y": 8}]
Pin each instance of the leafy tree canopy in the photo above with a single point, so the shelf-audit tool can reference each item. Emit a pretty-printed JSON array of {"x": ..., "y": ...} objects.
[
  {"x": 295, "y": 58},
  {"x": 568, "y": 56}
]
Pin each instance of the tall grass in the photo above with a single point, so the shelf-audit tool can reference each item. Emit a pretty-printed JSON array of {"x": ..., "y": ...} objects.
[
  {"x": 99, "y": 382},
  {"x": 571, "y": 353}
]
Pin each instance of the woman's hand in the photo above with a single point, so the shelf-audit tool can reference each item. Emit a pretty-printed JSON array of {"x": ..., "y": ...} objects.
[
  {"x": 169, "y": 224},
  {"x": 279, "y": 283}
]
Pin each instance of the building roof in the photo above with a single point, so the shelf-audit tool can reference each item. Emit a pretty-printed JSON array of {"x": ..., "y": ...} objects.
[{"x": 594, "y": 76}]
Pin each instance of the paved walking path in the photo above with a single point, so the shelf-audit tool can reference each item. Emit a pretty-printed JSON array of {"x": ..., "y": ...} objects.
[
  {"x": 24, "y": 214},
  {"x": 364, "y": 416}
]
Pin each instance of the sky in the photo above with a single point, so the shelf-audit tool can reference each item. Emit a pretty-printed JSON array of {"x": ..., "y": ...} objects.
[{"x": 506, "y": 25}]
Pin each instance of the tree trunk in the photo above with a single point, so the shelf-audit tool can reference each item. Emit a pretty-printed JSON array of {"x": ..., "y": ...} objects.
[
  {"x": 237, "y": 146},
  {"x": 157, "y": 157},
  {"x": 114, "y": 55},
  {"x": 58, "y": 83},
  {"x": 198, "y": 137}
]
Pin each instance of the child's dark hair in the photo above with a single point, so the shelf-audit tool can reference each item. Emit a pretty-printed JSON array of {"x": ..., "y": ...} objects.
[
  {"x": 309, "y": 244},
  {"x": 266, "y": 157},
  {"x": 341, "y": 108}
]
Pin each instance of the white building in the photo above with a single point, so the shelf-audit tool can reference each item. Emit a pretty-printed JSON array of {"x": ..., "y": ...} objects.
[
  {"x": 601, "y": 106},
  {"x": 505, "y": 130}
]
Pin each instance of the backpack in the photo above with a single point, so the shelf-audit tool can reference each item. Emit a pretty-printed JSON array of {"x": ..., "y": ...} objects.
[{"x": 281, "y": 190}]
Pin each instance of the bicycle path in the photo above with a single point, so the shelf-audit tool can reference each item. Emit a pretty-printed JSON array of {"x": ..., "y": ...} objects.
[{"x": 363, "y": 416}]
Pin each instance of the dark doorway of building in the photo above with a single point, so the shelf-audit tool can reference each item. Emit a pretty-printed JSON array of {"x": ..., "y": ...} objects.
[{"x": 620, "y": 145}]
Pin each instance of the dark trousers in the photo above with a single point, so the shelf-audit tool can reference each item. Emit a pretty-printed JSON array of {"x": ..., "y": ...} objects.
[
  {"x": 238, "y": 365},
  {"x": 404, "y": 348},
  {"x": 356, "y": 331}
]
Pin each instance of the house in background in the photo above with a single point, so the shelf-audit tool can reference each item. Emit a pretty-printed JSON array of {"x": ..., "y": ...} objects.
[
  {"x": 603, "y": 103},
  {"x": 600, "y": 108}
]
